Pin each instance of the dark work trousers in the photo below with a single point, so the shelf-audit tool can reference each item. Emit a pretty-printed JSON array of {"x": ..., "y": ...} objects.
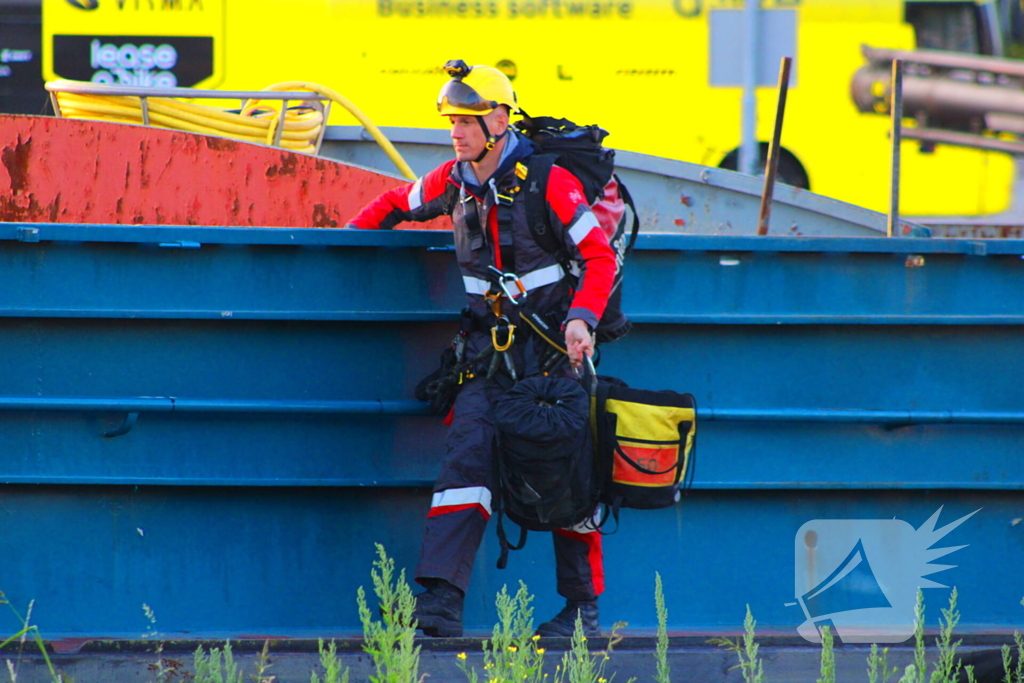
[{"x": 461, "y": 505}]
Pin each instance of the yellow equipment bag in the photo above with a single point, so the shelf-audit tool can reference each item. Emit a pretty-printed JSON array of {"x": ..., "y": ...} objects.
[{"x": 645, "y": 444}]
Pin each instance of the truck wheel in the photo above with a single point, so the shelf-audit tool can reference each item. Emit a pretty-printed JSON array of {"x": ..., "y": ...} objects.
[{"x": 790, "y": 171}]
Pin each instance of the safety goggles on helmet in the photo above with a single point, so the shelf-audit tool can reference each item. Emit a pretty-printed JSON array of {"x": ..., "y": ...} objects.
[{"x": 458, "y": 95}]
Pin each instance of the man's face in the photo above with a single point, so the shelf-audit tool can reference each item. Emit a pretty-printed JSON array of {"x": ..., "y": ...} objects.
[{"x": 468, "y": 137}]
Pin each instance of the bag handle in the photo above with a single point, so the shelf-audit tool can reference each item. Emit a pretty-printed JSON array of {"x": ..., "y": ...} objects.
[
  {"x": 589, "y": 376},
  {"x": 499, "y": 511},
  {"x": 505, "y": 545},
  {"x": 622, "y": 454}
]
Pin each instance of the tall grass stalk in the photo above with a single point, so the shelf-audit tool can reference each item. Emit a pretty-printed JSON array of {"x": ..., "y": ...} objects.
[
  {"x": 28, "y": 630},
  {"x": 579, "y": 666},
  {"x": 1012, "y": 674},
  {"x": 216, "y": 666},
  {"x": 947, "y": 668},
  {"x": 511, "y": 654},
  {"x": 263, "y": 665},
  {"x": 909, "y": 674},
  {"x": 746, "y": 650},
  {"x": 920, "y": 667},
  {"x": 334, "y": 672},
  {"x": 390, "y": 640},
  {"x": 878, "y": 665},
  {"x": 164, "y": 669},
  {"x": 828, "y": 657},
  {"x": 661, "y": 673}
]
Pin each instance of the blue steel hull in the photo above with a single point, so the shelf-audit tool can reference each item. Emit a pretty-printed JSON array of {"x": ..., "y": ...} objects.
[{"x": 217, "y": 422}]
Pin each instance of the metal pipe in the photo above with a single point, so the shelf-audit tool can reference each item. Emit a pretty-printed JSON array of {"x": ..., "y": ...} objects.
[
  {"x": 326, "y": 111},
  {"x": 383, "y": 482},
  {"x": 938, "y": 97},
  {"x": 188, "y": 93},
  {"x": 749, "y": 156},
  {"x": 280, "y": 123},
  {"x": 948, "y": 137},
  {"x": 896, "y": 126},
  {"x": 414, "y": 408},
  {"x": 371, "y": 407},
  {"x": 132, "y": 405},
  {"x": 879, "y": 417},
  {"x": 773, "y": 149},
  {"x": 942, "y": 59}
]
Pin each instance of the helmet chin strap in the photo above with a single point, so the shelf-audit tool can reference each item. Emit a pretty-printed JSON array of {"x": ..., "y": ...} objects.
[{"x": 492, "y": 140}]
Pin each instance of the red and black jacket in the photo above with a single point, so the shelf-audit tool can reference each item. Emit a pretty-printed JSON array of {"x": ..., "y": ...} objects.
[{"x": 490, "y": 227}]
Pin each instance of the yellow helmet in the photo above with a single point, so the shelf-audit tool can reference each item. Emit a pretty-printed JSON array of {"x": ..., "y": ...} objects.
[{"x": 474, "y": 90}]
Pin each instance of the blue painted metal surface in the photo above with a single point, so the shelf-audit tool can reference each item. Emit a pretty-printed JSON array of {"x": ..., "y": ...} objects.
[{"x": 271, "y": 372}]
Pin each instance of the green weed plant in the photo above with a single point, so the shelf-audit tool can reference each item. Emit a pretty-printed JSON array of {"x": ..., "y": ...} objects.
[
  {"x": 579, "y": 666},
  {"x": 28, "y": 630},
  {"x": 334, "y": 671},
  {"x": 878, "y": 665},
  {"x": 750, "y": 666},
  {"x": 390, "y": 641},
  {"x": 947, "y": 668},
  {"x": 828, "y": 657},
  {"x": 511, "y": 653},
  {"x": 662, "y": 673},
  {"x": 1014, "y": 674},
  {"x": 216, "y": 666}
]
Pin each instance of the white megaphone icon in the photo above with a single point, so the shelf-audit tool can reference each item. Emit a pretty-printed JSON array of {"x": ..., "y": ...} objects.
[{"x": 860, "y": 577}]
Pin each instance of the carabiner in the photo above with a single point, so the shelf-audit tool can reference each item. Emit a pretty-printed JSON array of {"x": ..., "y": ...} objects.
[
  {"x": 510, "y": 331},
  {"x": 504, "y": 279}
]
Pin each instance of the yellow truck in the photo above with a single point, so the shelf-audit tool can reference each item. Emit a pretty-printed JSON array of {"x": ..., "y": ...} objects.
[{"x": 664, "y": 76}]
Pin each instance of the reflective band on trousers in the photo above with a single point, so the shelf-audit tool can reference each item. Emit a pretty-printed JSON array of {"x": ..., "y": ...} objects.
[
  {"x": 538, "y": 278},
  {"x": 470, "y": 495}
]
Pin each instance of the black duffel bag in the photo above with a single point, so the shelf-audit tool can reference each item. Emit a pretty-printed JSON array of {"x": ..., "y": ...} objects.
[{"x": 546, "y": 474}]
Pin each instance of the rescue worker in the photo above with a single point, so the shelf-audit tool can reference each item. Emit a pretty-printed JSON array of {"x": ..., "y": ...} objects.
[{"x": 478, "y": 189}]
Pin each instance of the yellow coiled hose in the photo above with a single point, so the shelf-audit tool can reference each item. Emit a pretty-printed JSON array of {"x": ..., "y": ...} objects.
[{"x": 258, "y": 121}]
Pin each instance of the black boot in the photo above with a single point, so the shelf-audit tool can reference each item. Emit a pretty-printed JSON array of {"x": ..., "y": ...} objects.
[
  {"x": 438, "y": 611},
  {"x": 564, "y": 622}
]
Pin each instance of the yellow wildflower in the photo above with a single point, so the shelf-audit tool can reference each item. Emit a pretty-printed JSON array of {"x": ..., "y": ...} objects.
[
  {"x": 461, "y": 655},
  {"x": 513, "y": 648},
  {"x": 535, "y": 637},
  {"x": 540, "y": 650}
]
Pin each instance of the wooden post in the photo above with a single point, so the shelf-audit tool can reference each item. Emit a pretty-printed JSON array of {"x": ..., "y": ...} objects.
[
  {"x": 895, "y": 135},
  {"x": 773, "y": 149}
]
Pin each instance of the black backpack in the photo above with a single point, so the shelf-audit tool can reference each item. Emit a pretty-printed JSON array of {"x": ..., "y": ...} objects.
[
  {"x": 578, "y": 150},
  {"x": 546, "y": 472}
]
